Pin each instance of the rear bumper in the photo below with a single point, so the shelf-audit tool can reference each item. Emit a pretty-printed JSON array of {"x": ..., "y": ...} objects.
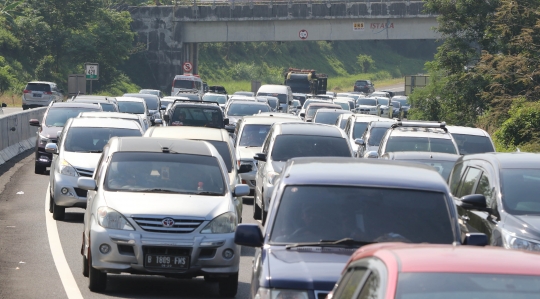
[{"x": 43, "y": 158}]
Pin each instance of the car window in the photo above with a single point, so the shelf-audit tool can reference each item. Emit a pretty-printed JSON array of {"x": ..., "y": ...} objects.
[
  {"x": 254, "y": 135},
  {"x": 92, "y": 140},
  {"x": 266, "y": 144},
  {"x": 486, "y": 188},
  {"x": 350, "y": 282},
  {"x": 469, "y": 181},
  {"x": 131, "y": 107},
  {"x": 455, "y": 178},
  {"x": 57, "y": 117},
  {"x": 328, "y": 118},
  {"x": 420, "y": 144},
  {"x": 343, "y": 123},
  {"x": 375, "y": 135},
  {"x": 164, "y": 172},
  {"x": 316, "y": 212},
  {"x": 291, "y": 146},
  {"x": 361, "y": 83},
  {"x": 281, "y": 97},
  {"x": 371, "y": 288},
  {"x": 367, "y": 102},
  {"x": 359, "y": 129},
  {"x": 520, "y": 189},
  {"x": 221, "y": 99},
  {"x": 184, "y": 84},
  {"x": 471, "y": 144},
  {"x": 38, "y": 87},
  {"x": 242, "y": 109},
  {"x": 108, "y": 107},
  {"x": 383, "y": 101},
  {"x": 197, "y": 116},
  {"x": 223, "y": 149}
]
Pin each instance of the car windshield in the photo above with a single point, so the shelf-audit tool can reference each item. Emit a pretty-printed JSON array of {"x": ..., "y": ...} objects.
[
  {"x": 403, "y": 102},
  {"x": 420, "y": 144},
  {"x": 164, "y": 172},
  {"x": 131, "y": 107},
  {"x": 221, "y": 99},
  {"x": 310, "y": 112},
  {"x": 344, "y": 106},
  {"x": 520, "y": 189},
  {"x": 197, "y": 116},
  {"x": 430, "y": 285},
  {"x": 376, "y": 134},
  {"x": 108, "y": 107},
  {"x": 361, "y": 83},
  {"x": 184, "y": 84},
  {"x": 354, "y": 96},
  {"x": 57, "y": 117},
  {"x": 396, "y": 104},
  {"x": 92, "y": 140},
  {"x": 442, "y": 167},
  {"x": 150, "y": 91},
  {"x": 359, "y": 129},
  {"x": 328, "y": 118},
  {"x": 282, "y": 97},
  {"x": 315, "y": 213},
  {"x": 151, "y": 101},
  {"x": 471, "y": 144},
  {"x": 307, "y": 102},
  {"x": 272, "y": 103},
  {"x": 242, "y": 109},
  {"x": 291, "y": 146},
  {"x": 254, "y": 135},
  {"x": 383, "y": 101},
  {"x": 367, "y": 102}
]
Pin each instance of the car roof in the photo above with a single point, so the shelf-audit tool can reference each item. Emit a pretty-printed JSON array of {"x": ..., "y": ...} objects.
[
  {"x": 130, "y": 99},
  {"x": 382, "y": 123},
  {"x": 467, "y": 131},
  {"x": 187, "y": 132},
  {"x": 272, "y": 88},
  {"x": 91, "y": 97},
  {"x": 420, "y": 132},
  {"x": 268, "y": 119},
  {"x": 343, "y": 99},
  {"x": 42, "y": 82},
  {"x": 242, "y": 101},
  {"x": 329, "y": 104},
  {"x": 118, "y": 115},
  {"x": 302, "y": 128},
  {"x": 328, "y": 110},
  {"x": 141, "y": 95},
  {"x": 105, "y": 123},
  {"x": 411, "y": 155},
  {"x": 85, "y": 100},
  {"x": 363, "y": 172},
  {"x": 156, "y": 145},
  {"x": 75, "y": 105},
  {"x": 514, "y": 160},
  {"x": 365, "y": 118},
  {"x": 431, "y": 258},
  {"x": 187, "y": 77},
  {"x": 198, "y": 103}
]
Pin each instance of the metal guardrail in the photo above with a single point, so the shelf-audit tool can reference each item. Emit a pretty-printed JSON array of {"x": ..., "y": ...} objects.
[
  {"x": 270, "y": 2},
  {"x": 16, "y": 135}
]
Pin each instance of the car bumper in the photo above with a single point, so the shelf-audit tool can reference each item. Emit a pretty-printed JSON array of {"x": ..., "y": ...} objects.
[
  {"x": 43, "y": 158},
  {"x": 73, "y": 196},
  {"x": 128, "y": 250},
  {"x": 36, "y": 103}
]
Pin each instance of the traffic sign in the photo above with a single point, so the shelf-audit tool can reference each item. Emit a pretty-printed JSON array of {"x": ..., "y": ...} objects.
[
  {"x": 91, "y": 70},
  {"x": 303, "y": 34},
  {"x": 187, "y": 66}
]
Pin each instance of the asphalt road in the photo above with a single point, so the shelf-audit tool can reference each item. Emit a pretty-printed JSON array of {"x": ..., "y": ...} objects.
[
  {"x": 28, "y": 269},
  {"x": 11, "y": 110}
]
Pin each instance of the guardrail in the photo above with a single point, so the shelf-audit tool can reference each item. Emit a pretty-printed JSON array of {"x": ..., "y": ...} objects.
[{"x": 16, "y": 135}]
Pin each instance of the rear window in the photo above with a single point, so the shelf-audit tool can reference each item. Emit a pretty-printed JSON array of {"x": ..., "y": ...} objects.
[
  {"x": 92, "y": 140},
  {"x": 108, "y": 107},
  {"x": 420, "y": 144},
  {"x": 359, "y": 129},
  {"x": 367, "y": 102},
  {"x": 38, "y": 87},
  {"x": 471, "y": 144},
  {"x": 223, "y": 150},
  {"x": 291, "y": 146},
  {"x": 57, "y": 117},
  {"x": 242, "y": 109},
  {"x": 184, "y": 84},
  {"x": 215, "y": 98},
  {"x": 197, "y": 117},
  {"x": 328, "y": 118},
  {"x": 131, "y": 107},
  {"x": 282, "y": 97},
  {"x": 376, "y": 135},
  {"x": 361, "y": 83}
]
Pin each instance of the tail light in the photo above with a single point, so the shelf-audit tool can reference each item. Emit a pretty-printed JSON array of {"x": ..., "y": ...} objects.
[
  {"x": 172, "y": 88},
  {"x": 27, "y": 91},
  {"x": 48, "y": 92}
]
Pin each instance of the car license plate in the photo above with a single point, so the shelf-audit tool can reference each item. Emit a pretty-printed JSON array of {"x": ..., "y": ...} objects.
[
  {"x": 166, "y": 261},
  {"x": 37, "y": 95}
]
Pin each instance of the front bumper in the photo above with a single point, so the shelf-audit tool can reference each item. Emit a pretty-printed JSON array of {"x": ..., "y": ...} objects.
[
  {"x": 73, "y": 197},
  {"x": 128, "y": 249}
]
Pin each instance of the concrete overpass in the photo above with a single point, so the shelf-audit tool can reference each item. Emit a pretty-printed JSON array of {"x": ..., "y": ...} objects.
[{"x": 171, "y": 33}]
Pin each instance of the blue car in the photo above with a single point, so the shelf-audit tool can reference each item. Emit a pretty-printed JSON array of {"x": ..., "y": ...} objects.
[{"x": 323, "y": 209}]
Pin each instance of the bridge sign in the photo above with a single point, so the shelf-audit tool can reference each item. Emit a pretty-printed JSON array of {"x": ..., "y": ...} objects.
[
  {"x": 303, "y": 34},
  {"x": 91, "y": 70},
  {"x": 187, "y": 66}
]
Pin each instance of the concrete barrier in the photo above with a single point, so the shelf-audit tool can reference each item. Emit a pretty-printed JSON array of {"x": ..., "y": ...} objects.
[{"x": 16, "y": 135}]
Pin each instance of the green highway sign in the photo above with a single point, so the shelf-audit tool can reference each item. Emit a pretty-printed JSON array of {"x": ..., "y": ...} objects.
[{"x": 91, "y": 71}]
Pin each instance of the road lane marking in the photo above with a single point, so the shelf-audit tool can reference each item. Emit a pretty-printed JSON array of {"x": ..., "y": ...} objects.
[{"x": 68, "y": 281}]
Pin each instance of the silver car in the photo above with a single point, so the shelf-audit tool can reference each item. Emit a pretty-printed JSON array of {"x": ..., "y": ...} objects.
[
  {"x": 134, "y": 106},
  {"x": 160, "y": 206},
  {"x": 116, "y": 115},
  {"x": 76, "y": 155},
  {"x": 40, "y": 94}
]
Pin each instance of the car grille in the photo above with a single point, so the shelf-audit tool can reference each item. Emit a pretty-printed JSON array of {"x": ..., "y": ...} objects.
[
  {"x": 80, "y": 192},
  {"x": 181, "y": 225},
  {"x": 166, "y": 250},
  {"x": 85, "y": 172}
]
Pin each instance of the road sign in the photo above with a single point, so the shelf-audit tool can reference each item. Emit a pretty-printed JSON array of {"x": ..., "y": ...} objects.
[
  {"x": 303, "y": 34},
  {"x": 187, "y": 66},
  {"x": 91, "y": 70}
]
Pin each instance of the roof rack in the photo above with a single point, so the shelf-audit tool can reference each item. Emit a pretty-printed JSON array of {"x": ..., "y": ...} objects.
[
  {"x": 192, "y": 90},
  {"x": 421, "y": 124},
  {"x": 191, "y": 101}
]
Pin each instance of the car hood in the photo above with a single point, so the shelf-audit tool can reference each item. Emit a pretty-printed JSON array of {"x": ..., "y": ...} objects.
[
  {"x": 524, "y": 225},
  {"x": 82, "y": 160},
  {"x": 366, "y": 106},
  {"x": 50, "y": 132},
  {"x": 309, "y": 268},
  {"x": 167, "y": 204},
  {"x": 245, "y": 152}
]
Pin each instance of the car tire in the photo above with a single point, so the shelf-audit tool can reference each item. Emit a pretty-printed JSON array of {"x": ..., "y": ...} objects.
[
  {"x": 228, "y": 286},
  {"x": 39, "y": 169},
  {"x": 58, "y": 212},
  {"x": 85, "y": 266},
  {"x": 51, "y": 201},
  {"x": 256, "y": 210},
  {"x": 24, "y": 107},
  {"x": 97, "y": 280}
]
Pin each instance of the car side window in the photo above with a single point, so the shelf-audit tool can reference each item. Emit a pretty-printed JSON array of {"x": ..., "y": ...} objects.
[
  {"x": 486, "y": 188},
  {"x": 457, "y": 173},
  {"x": 371, "y": 288},
  {"x": 350, "y": 282},
  {"x": 266, "y": 144},
  {"x": 469, "y": 182},
  {"x": 101, "y": 162}
]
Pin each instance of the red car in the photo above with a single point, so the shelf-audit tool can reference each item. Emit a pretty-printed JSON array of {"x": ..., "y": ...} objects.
[{"x": 398, "y": 270}]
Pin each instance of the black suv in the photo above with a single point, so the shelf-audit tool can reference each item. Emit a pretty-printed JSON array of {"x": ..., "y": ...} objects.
[
  {"x": 195, "y": 114},
  {"x": 365, "y": 86}
]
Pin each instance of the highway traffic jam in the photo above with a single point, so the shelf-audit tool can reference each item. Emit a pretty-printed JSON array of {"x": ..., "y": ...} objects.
[{"x": 350, "y": 199}]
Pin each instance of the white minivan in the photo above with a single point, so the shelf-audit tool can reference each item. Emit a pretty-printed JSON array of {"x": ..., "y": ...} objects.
[
  {"x": 185, "y": 83},
  {"x": 282, "y": 92}
]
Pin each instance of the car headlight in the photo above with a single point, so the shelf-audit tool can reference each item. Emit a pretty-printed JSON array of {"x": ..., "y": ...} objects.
[
  {"x": 66, "y": 169},
  {"x": 510, "y": 241},
  {"x": 222, "y": 224},
  {"x": 264, "y": 293},
  {"x": 109, "y": 218},
  {"x": 271, "y": 177},
  {"x": 43, "y": 140}
]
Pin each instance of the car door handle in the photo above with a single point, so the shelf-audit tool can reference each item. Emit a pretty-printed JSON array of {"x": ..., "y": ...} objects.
[{"x": 465, "y": 218}]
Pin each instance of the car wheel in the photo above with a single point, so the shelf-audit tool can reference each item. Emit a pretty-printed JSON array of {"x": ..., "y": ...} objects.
[
  {"x": 85, "y": 267},
  {"x": 39, "y": 169},
  {"x": 256, "y": 209},
  {"x": 97, "y": 279},
  {"x": 58, "y": 212},
  {"x": 228, "y": 286}
]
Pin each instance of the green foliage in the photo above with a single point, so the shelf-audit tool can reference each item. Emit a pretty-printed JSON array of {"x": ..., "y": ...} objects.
[
  {"x": 365, "y": 62},
  {"x": 6, "y": 77},
  {"x": 521, "y": 128}
]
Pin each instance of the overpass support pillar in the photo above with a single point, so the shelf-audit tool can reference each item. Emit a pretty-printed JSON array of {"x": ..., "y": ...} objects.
[{"x": 191, "y": 54}]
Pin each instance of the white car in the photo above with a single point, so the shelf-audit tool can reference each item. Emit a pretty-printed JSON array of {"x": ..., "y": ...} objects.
[
  {"x": 116, "y": 115},
  {"x": 161, "y": 206},
  {"x": 471, "y": 140},
  {"x": 134, "y": 106},
  {"x": 356, "y": 126}
]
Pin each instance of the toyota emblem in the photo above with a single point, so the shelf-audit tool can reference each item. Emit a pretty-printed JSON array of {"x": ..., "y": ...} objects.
[{"x": 167, "y": 222}]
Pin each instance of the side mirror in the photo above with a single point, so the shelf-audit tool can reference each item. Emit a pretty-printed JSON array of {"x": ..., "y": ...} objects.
[
  {"x": 241, "y": 190},
  {"x": 260, "y": 157},
  {"x": 51, "y": 148},
  {"x": 162, "y": 107},
  {"x": 476, "y": 239},
  {"x": 245, "y": 168},
  {"x": 249, "y": 235},
  {"x": 359, "y": 141},
  {"x": 226, "y": 121},
  {"x": 279, "y": 108},
  {"x": 473, "y": 201},
  {"x": 86, "y": 183},
  {"x": 372, "y": 155},
  {"x": 298, "y": 107},
  {"x": 4, "y": 105},
  {"x": 34, "y": 122},
  {"x": 309, "y": 120},
  {"x": 302, "y": 114},
  {"x": 166, "y": 117},
  {"x": 158, "y": 121}
]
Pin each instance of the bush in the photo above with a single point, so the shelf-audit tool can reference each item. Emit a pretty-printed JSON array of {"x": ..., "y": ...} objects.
[{"x": 521, "y": 129}]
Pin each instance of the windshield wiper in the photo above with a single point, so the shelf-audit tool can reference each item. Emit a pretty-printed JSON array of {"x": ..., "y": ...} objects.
[
  {"x": 207, "y": 193},
  {"x": 155, "y": 190},
  {"x": 96, "y": 151},
  {"x": 344, "y": 241}
]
